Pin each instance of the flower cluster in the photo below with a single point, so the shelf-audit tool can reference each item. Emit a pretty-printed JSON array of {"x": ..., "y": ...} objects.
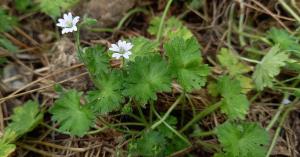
[{"x": 120, "y": 49}]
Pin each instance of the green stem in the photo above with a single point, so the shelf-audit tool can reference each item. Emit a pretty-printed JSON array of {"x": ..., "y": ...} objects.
[
  {"x": 286, "y": 88},
  {"x": 121, "y": 23},
  {"x": 278, "y": 113},
  {"x": 135, "y": 117},
  {"x": 263, "y": 39},
  {"x": 111, "y": 30},
  {"x": 255, "y": 51},
  {"x": 35, "y": 150},
  {"x": 161, "y": 24},
  {"x": 249, "y": 60},
  {"x": 241, "y": 23},
  {"x": 151, "y": 112},
  {"x": 166, "y": 115},
  {"x": 192, "y": 104},
  {"x": 282, "y": 106},
  {"x": 77, "y": 44},
  {"x": 274, "y": 140},
  {"x": 113, "y": 126},
  {"x": 141, "y": 114},
  {"x": 130, "y": 13},
  {"x": 290, "y": 10},
  {"x": 211, "y": 147},
  {"x": 230, "y": 22},
  {"x": 171, "y": 128},
  {"x": 200, "y": 115}
]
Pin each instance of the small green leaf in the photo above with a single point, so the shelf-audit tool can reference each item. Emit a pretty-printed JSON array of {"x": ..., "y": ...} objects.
[
  {"x": 73, "y": 118},
  {"x": 269, "y": 67},
  {"x": 146, "y": 77},
  {"x": 96, "y": 60},
  {"x": 6, "y": 149},
  {"x": 285, "y": 41},
  {"x": 6, "y": 44},
  {"x": 164, "y": 130},
  {"x": 108, "y": 97},
  {"x": 151, "y": 143},
  {"x": 243, "y": 140},
  {"x": 143, "y": 47},
  {"x": 54, "y": 8},
  {"x": 9, "y": 136},
  {"x": 231, "y": 63},
  {"x": 88, "y": 21},
  {"x": 196, "y": 4},
  {"x": 293, "y": 65},
  {"x": 234, "y": 103},
  {"x": 212, "y": 88},
  {"x": 22, "y": 5},
  {"x": 246, "y": 83},
  {"x": 7, "y": 22},
  {"x": 172, "y": 28},
  {"x": 186, "y": 63},
  {"x": 3, "y": 60},
  {"x": 25, "y": 118}
]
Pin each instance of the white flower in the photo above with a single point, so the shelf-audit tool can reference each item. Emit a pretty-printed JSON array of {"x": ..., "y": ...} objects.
[
  {"x": 68, "y": 23},
  {"x": 121, "y": 49}
]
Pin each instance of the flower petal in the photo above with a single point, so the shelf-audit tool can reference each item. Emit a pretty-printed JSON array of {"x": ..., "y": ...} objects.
[
  {"x": 61, "y": 23},
  {"x": 67, "y": 30},
  {"x": 120, "y": 43},
  {"x": 74, "y": 28},
  {"x": 128, "y": 46},
  {"x": 75, "y": 20},
  {"x": 116, "y": 55},
  {"x": 114, "y": 48},
  {"x": 127, "y": 54},
  {"x": 65, "y": 16},
  {"x": 69, "y": 17}
]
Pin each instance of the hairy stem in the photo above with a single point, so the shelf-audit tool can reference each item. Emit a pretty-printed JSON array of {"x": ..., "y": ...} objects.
[
  {"x": 241, "y": 23},
  {"x": 290, "y": 10},
  {"x": 200, "y": 115},
  {"x": 159, "y": 34},
  {"x": 168, "y": 112},
  {"x": 171, "y": 128},
  {"x": 277, "y": 132}
]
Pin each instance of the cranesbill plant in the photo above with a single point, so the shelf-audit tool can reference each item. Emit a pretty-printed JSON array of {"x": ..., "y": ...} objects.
[
  {"x": 171, "y": 64},
  {"x": 144, "y": 72}
]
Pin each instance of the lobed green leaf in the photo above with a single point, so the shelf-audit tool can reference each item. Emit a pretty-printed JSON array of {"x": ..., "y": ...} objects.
[
  {"x": 96, "y": 60},
  {"x": 234, "y": 103},
  {"x": 247, "y": 139},
  {"x": 146, "y": 77},
  {"x": 172, "y": 28},
  {"x": 25, "y": 118},
  {"x": 54, "y": 8},
  {"x": 269, "y": 67},
  {"x": 186, "y": 63},
  {"x": 109, "y": 95},
  {"x": 72, "y": 117},
  {"x": 143, "y": 47}
]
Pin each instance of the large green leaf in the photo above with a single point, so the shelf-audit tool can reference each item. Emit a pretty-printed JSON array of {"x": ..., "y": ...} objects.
[
  {"x": 109, "y": 95},
  {"x": 186, "y": 63},
  {"x": 72, "y": 117},
  {"x": 269, "y": 67},
  {"x": 247, "y": 139},
  {"x": 234, "y": 103},
  {"x": 146, "y": 77}
]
